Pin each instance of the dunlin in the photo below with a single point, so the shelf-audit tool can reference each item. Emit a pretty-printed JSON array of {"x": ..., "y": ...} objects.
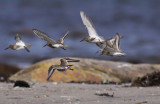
[
  {"x": 19, "y": 44},
  {"x": 93, "y": 36},
  {"x": 108, "y": 42},
  {"x": 112, "y": 47},
  {"x": 50, "y": 42},
  {"x": 62, "y": 67}
]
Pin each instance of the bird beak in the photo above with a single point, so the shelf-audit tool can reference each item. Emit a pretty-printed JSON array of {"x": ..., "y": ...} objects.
[
  {"x": 82, "y": 40},
  {"x": 6, "y": 48},
  {"x": 45, "y": 45}
]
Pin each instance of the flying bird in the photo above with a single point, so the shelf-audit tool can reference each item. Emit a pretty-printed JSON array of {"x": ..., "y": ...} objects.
[
  {"x": 93, "y": 36},
  {"x": 108, "y": 42},
  {"x": 50, "y": 42},
  {"x": 62, "y": 67},
  {"x": 112, "y": 47},
  {"x": 19, "y": 44}
]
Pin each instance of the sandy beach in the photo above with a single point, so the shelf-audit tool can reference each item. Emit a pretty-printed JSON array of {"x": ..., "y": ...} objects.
[{"x": 69, "y": 93}]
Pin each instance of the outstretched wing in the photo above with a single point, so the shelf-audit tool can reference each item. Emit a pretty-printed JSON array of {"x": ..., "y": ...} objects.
[
  {"x": 120, "y": 37},
  {"x": 17, "y": 38},
  {"x": 116, "y": 43},
  {"x": 50, "y": 72},
  {"x": 63, "y": 62},
  {"x": 101, "y": 45},
  {"x": 60, "y": 41},
  {"x": 28, "y": 45},
  {"x": 88, "y": 25},
  {"x": 43, "y": 36},
  {"x": 109, "y": 49},
  {"x": 110, "y": 41}
]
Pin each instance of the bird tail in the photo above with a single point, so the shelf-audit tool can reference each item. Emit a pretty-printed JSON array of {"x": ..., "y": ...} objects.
[
  {"x": 28, "y": 45},
  {"x": 65, "y": 46}
]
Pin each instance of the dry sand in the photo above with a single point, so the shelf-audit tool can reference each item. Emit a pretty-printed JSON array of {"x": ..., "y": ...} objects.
[{"x": 67, "y": 93}]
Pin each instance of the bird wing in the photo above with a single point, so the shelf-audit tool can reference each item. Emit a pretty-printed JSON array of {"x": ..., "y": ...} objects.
[
  {"x": 101, "y": 45},
  {"x": 43, "y": 36},
  {"x": 88, "y": 25},
  {"x": 116, "y": 43},
  {"x": 63, "y": 62},
  {"x": 120, "y": 37},
  {"x": 50, "y": 72},
  {"x": 60, "y": 41},
  {"x": 109, "y": 49},
  {"x": 17, "y": 38},
  {"x": 110, "y": 41},
  {"x": 28, "y": 45}
]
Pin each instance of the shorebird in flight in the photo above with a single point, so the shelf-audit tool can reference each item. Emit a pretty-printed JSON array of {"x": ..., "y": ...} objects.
[
  {"x": 50, "y": 42},
  {"x": 111, "y": 46},
  {"x": 108, "y": 42},
  {"x": 93, "y": 36},
  {"x": 19, "y": 44},
  {"x": 62, "y": 67}
]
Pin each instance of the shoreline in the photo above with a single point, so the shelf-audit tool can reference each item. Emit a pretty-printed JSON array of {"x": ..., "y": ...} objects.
[{"x": 67, "y": 93}]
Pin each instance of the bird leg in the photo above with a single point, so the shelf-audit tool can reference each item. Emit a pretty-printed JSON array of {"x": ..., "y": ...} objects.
[
  {"x": 6, "y": 48},
  {"x": 82, "y": 40},
  {"x": 63, "y": 48}
]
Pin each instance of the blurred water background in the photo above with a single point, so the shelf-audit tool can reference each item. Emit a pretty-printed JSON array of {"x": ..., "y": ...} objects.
[{"x": 137, "y": 20}]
